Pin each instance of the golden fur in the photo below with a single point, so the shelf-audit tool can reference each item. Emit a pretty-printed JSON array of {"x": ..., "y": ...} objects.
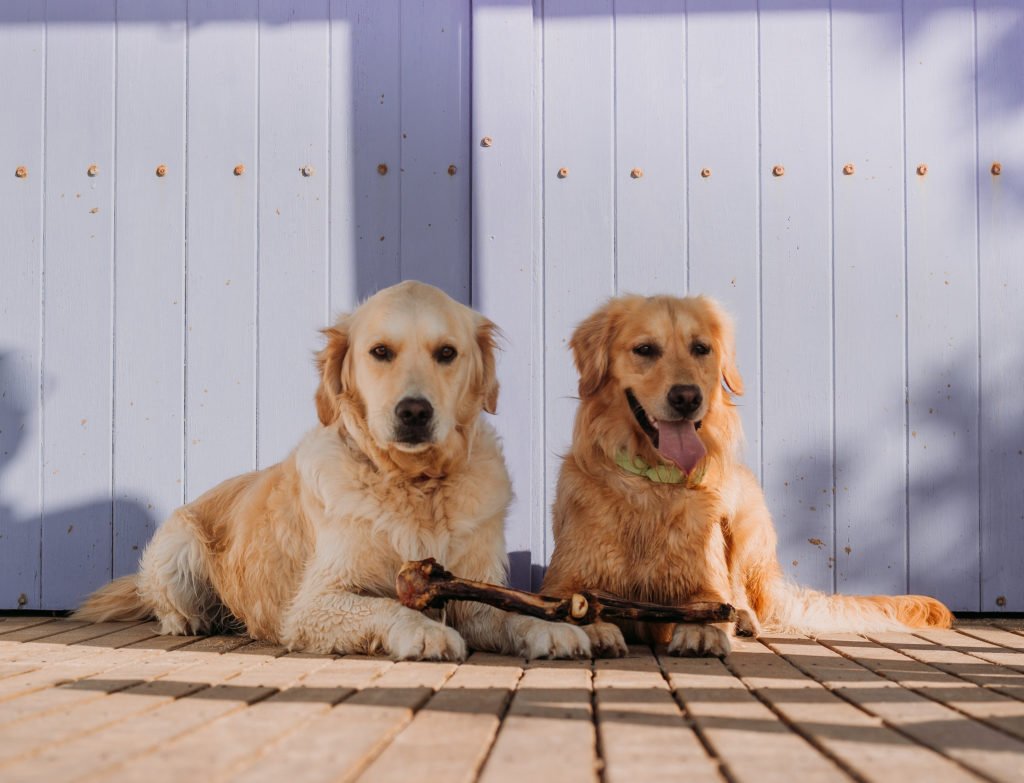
[
  {"x": 708, "y": 540},
  {"x": 305, "y": 552}
]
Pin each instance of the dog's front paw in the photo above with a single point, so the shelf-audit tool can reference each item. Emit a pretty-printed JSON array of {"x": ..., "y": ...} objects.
[
  {"x": 553, "y": 640},
  {"x": 746, "y": 623},
  {"x": 419, "y": 638},
  {"x": 691, "y": 639},
  {"x": 606, "y": 640}
]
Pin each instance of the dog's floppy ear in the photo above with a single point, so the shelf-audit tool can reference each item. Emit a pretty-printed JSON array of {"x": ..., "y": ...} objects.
[
  {"x": 725, "y": 336},
  {"x": 590, "y": 345},
  {"x": 330, "y": 361},
  {"x": 487, "y": 334}
]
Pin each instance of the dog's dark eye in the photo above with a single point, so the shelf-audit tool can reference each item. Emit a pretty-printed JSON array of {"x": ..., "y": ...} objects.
[
  {"x": 648, "y": 350},
  {"x": 700, "y": 349},
  {"x": 445, "y": 354},
  {"x": 382, "y": 353}
]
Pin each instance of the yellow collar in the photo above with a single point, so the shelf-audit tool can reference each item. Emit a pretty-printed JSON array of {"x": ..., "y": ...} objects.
[{"x": 659, "y": 474}]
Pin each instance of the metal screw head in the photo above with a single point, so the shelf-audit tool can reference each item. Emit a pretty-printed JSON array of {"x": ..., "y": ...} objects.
[
  {"x": 848, "y": 169},
  {"x": 239, "y": 169},
  {"x": 93, "y": 170},
  {"x": 382, "y": 168},
  {"x": 161, "y": 170},
  {"x": 778, "y": 171},
  {"x": 452, "y": 170},
  {"x": 636, "y": 173},
  {"x": 307, "y": 171},
  {"x": 705, "y": 173},
  {"x": 563, "y": 172},
  {"x": 1001, "y": 600},
  {"x": 997, "y": 168},
  {"x": 486, "y": 141},
  {"x": 922, "y": 169},
  {"x": 21, "y": 172}
]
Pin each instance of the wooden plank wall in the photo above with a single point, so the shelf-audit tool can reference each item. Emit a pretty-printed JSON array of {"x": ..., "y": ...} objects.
[{"x": 156, "y": 332}]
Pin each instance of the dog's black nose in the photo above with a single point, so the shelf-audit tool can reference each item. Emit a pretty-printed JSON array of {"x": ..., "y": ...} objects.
[
  {"x": 685, "y": 398},
  {"x": 414, "y": 411}
]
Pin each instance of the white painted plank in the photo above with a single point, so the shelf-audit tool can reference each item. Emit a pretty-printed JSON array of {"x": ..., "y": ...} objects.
[
  {"x": 293, "y": 113},
  {"x": 870, "y": 316},
  {"x": 435, "y": 142},
  {"x": 579, "y": 257},
  {"x": 1000, "y": 63},
  {"x": 942, "y": 295},
  {"x": 148, "y": 273},
  {"x": 722, "y": 136},
  {"x": 21, "y": 226},
  {"x": 796, "y": 285},
  {"x": 220, "y": 337},
  {"x": 506, "y": 272},
  {"x": 650, "y": 147},
  {"x": 77, "y": 311},
  {"x": 365, "y": 149}
]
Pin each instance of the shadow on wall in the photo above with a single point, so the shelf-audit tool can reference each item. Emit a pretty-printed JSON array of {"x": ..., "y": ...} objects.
[{"x": 23, "y": 528}]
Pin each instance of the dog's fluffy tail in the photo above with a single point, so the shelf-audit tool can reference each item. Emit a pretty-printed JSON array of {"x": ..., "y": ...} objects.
[
  {"x": 800, "y": 610},
  {"x": 119, "y": 600}
]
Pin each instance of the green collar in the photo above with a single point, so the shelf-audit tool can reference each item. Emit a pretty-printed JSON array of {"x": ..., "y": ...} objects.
[{"x": 659, "y": 474}]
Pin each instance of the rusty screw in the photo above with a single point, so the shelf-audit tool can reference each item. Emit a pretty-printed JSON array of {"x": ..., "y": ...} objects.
[
  {"x": 1001, "y": 600},
  {"x": 922, "y": 169},
  {"x": 848, "y": 169},
  {"x": 563, "y": 172},
  {"x": 778, "y": 171},
  {"x": 239, "y": 169},
  {"x": 307, "y": 171},
  {"x": 486, "y": 141},
  {"x": 452, "y": 170},
  {"x": 93, "y": 170},
  {"x": 21, "y": 172},
  {"x": 997, "y": 168},
  {"x": 382, "y": 168},
  {"x": 705, "y": 173},
  {"x": 636, "y": 173},
  {"x": 161, "y": 170}
]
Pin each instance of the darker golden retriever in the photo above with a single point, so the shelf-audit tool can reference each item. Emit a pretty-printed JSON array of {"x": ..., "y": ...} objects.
[{"x": 652, "y": 501}]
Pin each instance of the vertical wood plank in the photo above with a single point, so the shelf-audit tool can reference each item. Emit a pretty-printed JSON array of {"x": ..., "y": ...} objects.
[
  {"x": 148, "y": 273},
  {"x": 797, "y": 246},
  {"x": 722, "y": 136},
  {"x": 365, "y": 219},
  {"x": 435, "y": 144},
  {"x": 1000, "y": 65},
  {"x": 293, "y": 291},
  {"x": 220, "y": 336},
  {"x": 506, "y": 272},
  {"x": 21, "y": 226},
  {"x": 870, "y": 316},
  {"x": 579, "y": 260},
  {"x": 650, "y": 147},
  {"x": 942, "y": 291},
  {"x": 77, "y": 309}
]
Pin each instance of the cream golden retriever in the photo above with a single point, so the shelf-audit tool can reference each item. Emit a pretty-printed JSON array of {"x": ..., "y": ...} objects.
[
  {"x": 402, "y": 467},
  {"x": 652, "y": 502}
]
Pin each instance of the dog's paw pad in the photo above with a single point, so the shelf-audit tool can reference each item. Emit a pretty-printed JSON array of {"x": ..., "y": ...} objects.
[{"x": 699, "y": 641}]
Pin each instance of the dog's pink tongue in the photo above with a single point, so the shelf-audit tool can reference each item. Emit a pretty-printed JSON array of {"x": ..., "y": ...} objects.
[{"x": 678, "y": 441}]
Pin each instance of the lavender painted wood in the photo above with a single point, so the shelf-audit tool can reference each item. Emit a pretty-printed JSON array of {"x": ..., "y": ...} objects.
[
  {"x": 77, "y": 309},
  {"x": 21, "y": 221},
  {"x": 220, "y": 338},
  {"x": 149, "y": 274},
  {"x": 578, "y": 207},
  {"x": 942, "y": 286},
  {"x": 1000, "y": 64},
  {"x": 293, "y": 187},
  {"x": 435, "y": 144},
  {"x": 650, "y": 147},
  {"x": 796, "y": 286},
  {"x": 506, "y": 284},
  {"x": 870, "y": 316},
  {"x": 722, "y": 143},
  {"x": 365, "y": 149}
]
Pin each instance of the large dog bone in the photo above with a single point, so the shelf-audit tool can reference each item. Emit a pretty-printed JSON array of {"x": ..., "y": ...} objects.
[{"x": 423, "y": 584}]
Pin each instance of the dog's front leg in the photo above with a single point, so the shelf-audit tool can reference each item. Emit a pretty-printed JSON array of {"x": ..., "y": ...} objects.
[
  {"x": 492, "y": 630},
  {"x": 333, "y": 620}
]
